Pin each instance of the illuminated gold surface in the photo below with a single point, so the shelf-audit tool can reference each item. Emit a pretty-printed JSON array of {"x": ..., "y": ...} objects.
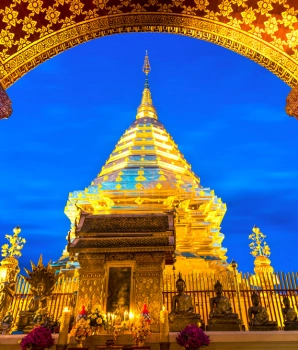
[
  {"x": 258, "y": 246},
  {"x": 261, "y": 252},
  {"x": 147, "y": 174},
  {"x": 16, "y": 244},
  {"x": 32, "y": 31}
]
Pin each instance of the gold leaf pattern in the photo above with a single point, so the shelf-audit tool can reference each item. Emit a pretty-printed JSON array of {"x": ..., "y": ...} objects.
[
  {"x": 10, "y": 16},
  {"x": 248, "y": 16},
  {"x": 292, "y": 38},
  {"x": 289, "y": 17},
  {"x": 225, "y": 8},
  {"x": 265, "y": 6},
  {"x": 6, "y": 38},
  {"x": 271, "y": 25},
  {"x": 29, "y": 25},
  {"x": 76, "y": 7},
  {"x": 52, "y": 15},
  {"x": 201, "y": 4},
  {"x": 35, "y": 6}
]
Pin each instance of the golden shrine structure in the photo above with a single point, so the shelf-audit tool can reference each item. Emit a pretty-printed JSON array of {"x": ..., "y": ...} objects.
[
  {"x": 144, "y": 217},
  {"x": 145, "y": 210}
]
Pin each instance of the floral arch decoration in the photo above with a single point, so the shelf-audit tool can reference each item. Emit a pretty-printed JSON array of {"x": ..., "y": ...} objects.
[{"x": 32, "y": 31}]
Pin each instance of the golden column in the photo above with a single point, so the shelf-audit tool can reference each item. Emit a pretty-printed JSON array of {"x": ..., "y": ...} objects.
[{"x": 149, "y": 285}]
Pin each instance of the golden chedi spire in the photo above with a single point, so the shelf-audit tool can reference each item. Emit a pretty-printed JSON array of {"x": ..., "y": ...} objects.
[
  {"x": 147, "y": 173},
  {"x": 146, "y": 108}
]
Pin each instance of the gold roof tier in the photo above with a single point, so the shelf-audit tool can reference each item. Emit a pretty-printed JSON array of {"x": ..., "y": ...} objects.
[{"x": 146, "y": 173}]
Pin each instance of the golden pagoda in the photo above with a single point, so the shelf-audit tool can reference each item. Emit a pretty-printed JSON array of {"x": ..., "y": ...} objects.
[{"x": 147, "y": 174}]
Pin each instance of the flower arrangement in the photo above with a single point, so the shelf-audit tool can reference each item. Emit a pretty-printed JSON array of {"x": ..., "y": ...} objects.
[
  {"x": 141, "y": 329},
  {"x": 81, "y": 329},
  {"x": 39, "y": 337},
  {"x": 192, "y": 337},
  {"x": 97, "y": 318}
]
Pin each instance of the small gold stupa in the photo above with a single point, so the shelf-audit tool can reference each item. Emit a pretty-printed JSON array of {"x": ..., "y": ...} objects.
[{"x": 147, "y": 174}]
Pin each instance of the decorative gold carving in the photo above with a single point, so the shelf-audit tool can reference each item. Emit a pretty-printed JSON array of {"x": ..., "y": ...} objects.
[
  {"x": 148, "y": 285},
  {"x": 140, "y": 224},
  {"x": 117, "y": 242},
  {"x": 120, "y": 256},
  {"x": 91, "y": 262},
  {"x": 5, "y": 104},
  {"x": 91, "y": 280},
  {"x": 149, "y": 258},
  {"x": 292, "y": 103},
  {"x": 265, "y": 31}
]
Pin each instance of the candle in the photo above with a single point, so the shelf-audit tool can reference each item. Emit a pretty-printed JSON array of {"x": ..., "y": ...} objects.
[
  {"x": 64, "y": 326},
  {"x": 130, "y": 320},
  {"x": 164, "y": 325}
]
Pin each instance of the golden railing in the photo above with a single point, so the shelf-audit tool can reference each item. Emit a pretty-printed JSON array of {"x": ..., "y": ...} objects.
[
  {"x": 271, "y": 288},
  {"x": 238, "y": 288}
]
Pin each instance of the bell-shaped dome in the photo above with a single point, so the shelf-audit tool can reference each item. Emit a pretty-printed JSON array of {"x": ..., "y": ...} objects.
[{"x": 146, "y": 158}]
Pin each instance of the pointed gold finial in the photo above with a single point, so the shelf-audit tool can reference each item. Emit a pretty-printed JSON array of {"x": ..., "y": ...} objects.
[
  {"x": 146, "y": 108},
  {"x": 146, "y": 66}
]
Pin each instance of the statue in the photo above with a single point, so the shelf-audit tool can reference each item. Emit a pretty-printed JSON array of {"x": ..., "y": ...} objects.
[
  {"x": 7, "y": 291},
  {"x": 9, "y": 268},
  {"x": 221, "y": 317},
  {"x": 258, "y": 316},
  {"x": 42, "y": 281},
  {"x": 7, "y": 323},
  {"x": 290, "y": 316},
  {"x": 182, "y": 313},
  {"x": 38, "y": 303}
]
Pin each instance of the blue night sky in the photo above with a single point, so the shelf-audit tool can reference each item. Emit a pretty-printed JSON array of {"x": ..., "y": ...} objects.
[{"x": 225, "y": 112}]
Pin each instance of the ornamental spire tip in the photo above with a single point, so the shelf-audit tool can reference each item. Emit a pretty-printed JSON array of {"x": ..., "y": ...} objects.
[
  {"x": 146, "y": 108},
  {"x": 146, "y": 66}
]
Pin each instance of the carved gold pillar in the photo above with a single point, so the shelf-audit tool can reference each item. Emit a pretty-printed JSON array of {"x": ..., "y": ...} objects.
[
  {"x": 149, "y": 285},
  {"x": 91, "y": 281}
]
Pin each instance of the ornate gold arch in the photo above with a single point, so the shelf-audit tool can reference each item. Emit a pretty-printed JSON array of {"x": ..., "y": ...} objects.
[{"x": 32, "y": 31}]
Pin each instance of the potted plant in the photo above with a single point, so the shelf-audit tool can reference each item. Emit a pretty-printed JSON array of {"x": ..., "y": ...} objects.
[
  {"x": 39, "y": 338},
  {"x": 192, "y": 337},
  {"x": 81, "y": 330}
]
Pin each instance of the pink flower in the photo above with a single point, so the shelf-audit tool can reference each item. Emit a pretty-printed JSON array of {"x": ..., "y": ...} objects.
[
  {"x": 192, "y": 337},
  {"x": 40, "y": 336}
]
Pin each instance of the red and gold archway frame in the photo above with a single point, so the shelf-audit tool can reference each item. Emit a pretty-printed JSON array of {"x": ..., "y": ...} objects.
[{"x": 266, "y": 31}]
